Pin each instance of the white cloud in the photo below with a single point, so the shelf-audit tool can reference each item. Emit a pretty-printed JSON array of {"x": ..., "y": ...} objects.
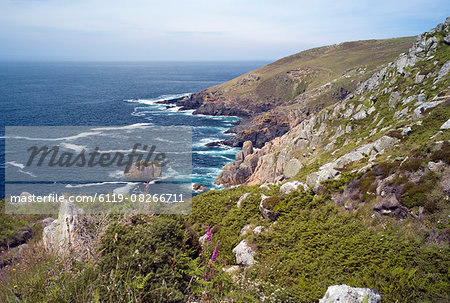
[{"x": 175, "y": 29}]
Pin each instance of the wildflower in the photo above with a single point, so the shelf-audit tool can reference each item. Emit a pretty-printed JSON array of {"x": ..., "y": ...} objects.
[
  {"x": 15, "y": 286},
  {"x": 14, "y": 269},
  {"x": 208, "y": 234},
  {"x": 214, "y": 255}
]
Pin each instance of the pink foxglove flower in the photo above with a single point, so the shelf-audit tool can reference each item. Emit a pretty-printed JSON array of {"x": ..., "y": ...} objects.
[
  {"x": 208, "y": 234},
  {"x": 214, "y": 255}
]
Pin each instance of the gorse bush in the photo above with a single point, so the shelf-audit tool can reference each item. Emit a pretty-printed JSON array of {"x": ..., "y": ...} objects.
[{"x": 148, "y": 258}]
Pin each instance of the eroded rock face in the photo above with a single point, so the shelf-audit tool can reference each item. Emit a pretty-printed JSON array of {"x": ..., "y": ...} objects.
[
  {"x": 292, "y": 168},
  {"x": 346, "y": 294},
  {"x": 244, "y": 254},
  {"x": 390, "y": 205},
  {"x": 68, "y": 235},
  {"x": 238, "y": 171},
  {"x": 329, "y": 170}
]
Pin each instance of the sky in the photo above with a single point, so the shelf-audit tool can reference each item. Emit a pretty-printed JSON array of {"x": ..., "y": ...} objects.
[{"x": 191, "y": 30}]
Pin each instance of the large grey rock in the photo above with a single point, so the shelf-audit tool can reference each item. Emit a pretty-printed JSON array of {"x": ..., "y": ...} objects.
[
  {"x": 292, "y": 168},
  {"x": 394, "y": 98},
  {"x": 68, "y": 236},
  {"x": 422, "y": 97},
  {"x": 360, "y": 115},
  {"x": 446, "y": 125},
  {"x": 258, "y": 229},
  {"x": 266, "y": 212},
  {"x": 420, "y": 110},
  {"x": 384, "y": 142},
  {"x": 289, "y": 187},
  {"x": 408, "y": 100},
  {"x": 346, "y": 294},
  {"x": 419, "y": 78},
  {"x": 445, "y": 69},
  {"x": 244, "y": 254},
  {"x": 447, "y": 39},
  {"x": 313, "y": 180},
  {"x": 329, "y": 170}
]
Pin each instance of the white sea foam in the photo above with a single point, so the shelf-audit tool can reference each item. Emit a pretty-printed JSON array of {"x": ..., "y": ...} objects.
[
  {"x": 92, "y": 184},
  {"x": 76, "y": 148},
  {"x": 80, "y": 135},
  {"x": 21, "y": 167},
  {"x": 159, "y": 99},
  {"x": 125, "y": 189},
  {"x": 131, "y": 126}
]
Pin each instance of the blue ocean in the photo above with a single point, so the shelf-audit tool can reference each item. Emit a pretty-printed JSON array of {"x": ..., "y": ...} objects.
[{"x": 119, "y": 94}]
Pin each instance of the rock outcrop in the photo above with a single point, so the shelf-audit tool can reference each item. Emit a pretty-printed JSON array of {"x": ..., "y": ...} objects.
[
  {"x": 289, "y": 187},
  {"x": 143, "y": 170},
  {"x": 68, "y": 236},
  {"x": 346, "y": 294},
  {"x": 265, "y": 210},
  {"x": 244, "y": 254},
  {"x": 238, "y": 171},
  {"x": 330, "y": 170}
]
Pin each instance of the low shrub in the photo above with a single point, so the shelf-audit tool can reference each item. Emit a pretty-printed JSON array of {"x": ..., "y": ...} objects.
[{"x": 412, "y": 164}]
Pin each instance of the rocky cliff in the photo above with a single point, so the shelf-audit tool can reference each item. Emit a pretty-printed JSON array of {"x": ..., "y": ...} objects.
[
  {"x": 273, "y": 99},
  {"x": 360, "y": 125}
]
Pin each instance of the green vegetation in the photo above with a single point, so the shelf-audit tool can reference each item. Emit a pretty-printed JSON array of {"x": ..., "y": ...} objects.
[{"x": 316, "y": 241}]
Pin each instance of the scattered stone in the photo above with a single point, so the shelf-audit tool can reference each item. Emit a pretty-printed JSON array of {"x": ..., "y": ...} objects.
[
  {"x": 445, "y": 69},
  {"x": 266, "y": 212},
  {"x": 402, "y": 113},
  {"x": 419, "y": 78},
  {"x": 265, "y": 186},
  {"x": 198, "y": 187},
  {"x": 436, "y": 166},
  {"x": 447, "y": 39},
  {"x": 242, "y": 198},
  {"x": 360, "y": 115},
  {"x": 346, "y": 294},
  {"x": 420, "y": 110},
  {"x": 231, "y": 270},
  {"x": 435, "y": 135},
  {"x": 446, "y": 125},
  {"x": 406, "y": 131},
  {"x": 289, "y": 187},
  {"x": 245, "y": 229},
  {"x": 422, "y": 98},
  {"x": 244, "y": 254},
  {"x": 371, "y": 110},
  {"x": 258, "y": 229},
  {"x": 47, "y": 221},
  {"x": 394, "y": 98},
  {"x": 408, "y": 100}
]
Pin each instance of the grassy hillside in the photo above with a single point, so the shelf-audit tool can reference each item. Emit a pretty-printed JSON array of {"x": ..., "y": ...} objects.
[{"x": 286, "y": 78}]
